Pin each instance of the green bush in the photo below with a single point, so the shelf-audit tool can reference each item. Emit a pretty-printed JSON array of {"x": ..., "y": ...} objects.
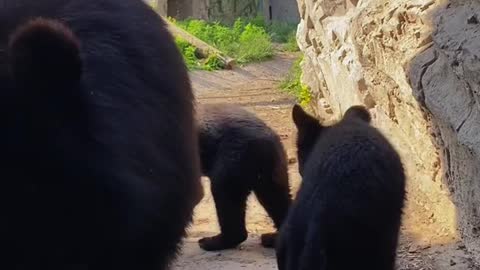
[
  {"x": 188, "y": 52},
  {"x": 247, "y": 40},
  {"x": 280, "y": 32},
  {"x": 258, "y": 21},
  {"x": 212, "y": 63},
  {"x": 254, "y": 44},
  {"x": 292, "y": 45},
  {"x": 243, "y": 41},
  {"x": 293, "y": 85}
]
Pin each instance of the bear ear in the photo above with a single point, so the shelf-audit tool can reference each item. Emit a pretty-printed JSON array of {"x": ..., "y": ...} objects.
[
  {"x": 45, "y": 54},
  {"x": 302, "y": 119},
  {"x": 358, "y": 112}
]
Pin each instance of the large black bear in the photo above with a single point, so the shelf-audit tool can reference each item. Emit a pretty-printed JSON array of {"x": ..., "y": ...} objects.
[
  {"x": 241, "y": 154},
  {"x": 347, "y": 213},
  {"x": 98, "y": 137}
]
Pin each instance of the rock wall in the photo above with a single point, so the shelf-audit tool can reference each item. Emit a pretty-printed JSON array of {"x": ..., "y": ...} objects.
[
  {"x": 228, "y": 10},
  {"x": 181, "y": 9},
  {"x": 446, "y": 81},
  {"x": 415, "y": 65},
  {"x": 282, "y": 10},
  {"x": 200, "y": 9}
]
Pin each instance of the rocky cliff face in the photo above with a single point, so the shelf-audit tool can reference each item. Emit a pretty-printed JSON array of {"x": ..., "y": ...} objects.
[
  {"x": 228, "y": 10},
  {"x": 446, "y": 81},
  {"x": 416, "y": 65}
]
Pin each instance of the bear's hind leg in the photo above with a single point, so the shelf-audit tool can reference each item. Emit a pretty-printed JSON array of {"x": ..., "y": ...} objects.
[
  {"x": 230, "y": 202},
  {"x": 274, "y": 196}
]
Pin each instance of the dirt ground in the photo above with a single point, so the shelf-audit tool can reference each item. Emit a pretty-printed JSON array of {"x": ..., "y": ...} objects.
[{"x": 256, "y": 88}]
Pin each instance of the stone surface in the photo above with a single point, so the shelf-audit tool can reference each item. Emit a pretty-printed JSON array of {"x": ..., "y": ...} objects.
[
  {"x": 228, "y": 10},
  {"x": 416, "y": 65},
  {"x": 445, "y": 79},
  {"x": 281, "y": 10},
  {"x": 181, "y": 9}
]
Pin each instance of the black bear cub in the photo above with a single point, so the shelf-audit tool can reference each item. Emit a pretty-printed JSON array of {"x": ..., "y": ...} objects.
[
  {"x": 241, "y": 154},
  {"x": 98, "y": 137},
  {"x": 347, "y": 213}
]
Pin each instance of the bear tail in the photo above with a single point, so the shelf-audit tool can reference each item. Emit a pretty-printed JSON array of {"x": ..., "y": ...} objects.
[{"x": 44, "y": 54}]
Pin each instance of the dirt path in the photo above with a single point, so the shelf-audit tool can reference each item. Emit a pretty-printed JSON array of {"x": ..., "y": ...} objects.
[{"x": 256, "y": 88}]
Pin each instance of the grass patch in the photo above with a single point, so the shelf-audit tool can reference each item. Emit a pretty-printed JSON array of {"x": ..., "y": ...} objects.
[
  {"x": 291, "y": 45},
  {"x": 247, "y": 40},
  {"x": 280, "y": 32},
  {"x": 293, "y": 85},
  {"x": 243, "y": 41}
]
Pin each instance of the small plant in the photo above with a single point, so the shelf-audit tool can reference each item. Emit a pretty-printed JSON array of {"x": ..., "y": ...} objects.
[
  {"x": 292, "y": 45},
  {"x": 293, "y": 85},
  {"x": 172, "y": 19},
  {"x": 254, "y": 45},
  {"x": 304, "y": 95},
  {"x": 212, "y": 63},
  {"x": 188, "y": 52},
  {"x": 192, "y": 61}
]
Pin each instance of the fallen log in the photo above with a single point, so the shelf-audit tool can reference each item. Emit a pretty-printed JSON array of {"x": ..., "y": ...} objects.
[{"x": 203, "y": 48}]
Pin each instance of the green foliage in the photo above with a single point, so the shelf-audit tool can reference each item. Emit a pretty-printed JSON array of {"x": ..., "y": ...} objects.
[
  {"x": 293, "y": 85},
  {"x": 188, "y": 52},
  {"x": 238, "y": 26},
  {"x": 243, "y": 41},
  {"x": 292, "y": 45},
  {"x": 191, "y": 60},
  {"x": 254, "y": 44},
  {"x": 304, "y": 95},
  {"x": 258, "y": 21},
  {"x": 247, "y": 40},
  {"x": 212, "y": 63},
  {"x": 280, "y": 32}
]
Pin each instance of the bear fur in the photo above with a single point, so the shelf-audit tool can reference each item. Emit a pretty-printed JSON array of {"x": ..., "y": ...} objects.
[
  {"x": 347, "y": 213},
  {"x": 241, "y": 154},
  {"x": 98, "y": 138}
]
